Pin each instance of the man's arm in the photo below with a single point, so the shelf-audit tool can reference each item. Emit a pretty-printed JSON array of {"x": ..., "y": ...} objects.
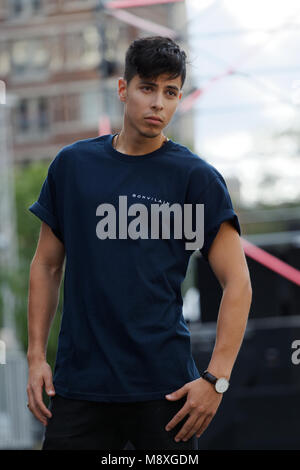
[
  {"x": 227, "y": 259},
  {"x": 46, "y": 271}
]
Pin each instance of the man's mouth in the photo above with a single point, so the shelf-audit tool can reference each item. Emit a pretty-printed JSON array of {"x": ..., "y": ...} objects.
[{"x": 153, "y": 119}]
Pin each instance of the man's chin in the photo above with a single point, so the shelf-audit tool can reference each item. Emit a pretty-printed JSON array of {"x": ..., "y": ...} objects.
[{"x": 151, "y": 134}]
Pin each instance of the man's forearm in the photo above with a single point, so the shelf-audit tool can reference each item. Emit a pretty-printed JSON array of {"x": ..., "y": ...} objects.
[
  {"x": 231, "y": 325},
  {"x": 43, "y": 297}
]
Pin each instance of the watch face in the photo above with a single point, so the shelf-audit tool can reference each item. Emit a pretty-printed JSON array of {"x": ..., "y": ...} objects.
[{"x": 222, "y": 385}]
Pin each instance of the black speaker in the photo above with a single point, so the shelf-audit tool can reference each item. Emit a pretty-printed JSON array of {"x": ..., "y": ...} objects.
[
  {"x": 260, "y": 410},
  {"x": 267, "y": 418}
]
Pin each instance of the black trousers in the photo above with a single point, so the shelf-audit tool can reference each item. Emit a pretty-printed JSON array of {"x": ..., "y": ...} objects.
[{"x": 90, "y": 425}]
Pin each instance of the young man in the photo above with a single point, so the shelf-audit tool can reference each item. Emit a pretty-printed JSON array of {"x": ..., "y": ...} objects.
[{"x": 124, "y": 345}]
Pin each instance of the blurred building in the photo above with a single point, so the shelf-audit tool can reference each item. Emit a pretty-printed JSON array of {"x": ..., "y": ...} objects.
[{"x": 51, "y": 59}]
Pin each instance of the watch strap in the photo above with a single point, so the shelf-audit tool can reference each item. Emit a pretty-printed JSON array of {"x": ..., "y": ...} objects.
[{"x": 209, "y": 377}]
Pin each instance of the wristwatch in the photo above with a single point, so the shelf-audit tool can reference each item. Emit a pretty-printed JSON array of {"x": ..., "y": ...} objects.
[{"x": 221, "y": 384}]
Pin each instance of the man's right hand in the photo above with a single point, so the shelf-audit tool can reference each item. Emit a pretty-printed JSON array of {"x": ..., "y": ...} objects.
[{"x": 40, "y": 374}]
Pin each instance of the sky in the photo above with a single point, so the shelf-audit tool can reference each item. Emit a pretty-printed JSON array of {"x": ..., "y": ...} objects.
[{"x": 241, "y": 118}]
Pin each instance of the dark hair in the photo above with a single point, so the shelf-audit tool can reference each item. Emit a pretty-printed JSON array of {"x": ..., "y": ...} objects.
[{"x": 152, "y": 56}]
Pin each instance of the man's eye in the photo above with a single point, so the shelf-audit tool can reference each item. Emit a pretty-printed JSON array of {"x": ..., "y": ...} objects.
[{"x": 150, "y": 88}]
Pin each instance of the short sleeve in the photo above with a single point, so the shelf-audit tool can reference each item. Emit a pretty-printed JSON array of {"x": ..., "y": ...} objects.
[
  {"x": 45, "y": 208},
  {"x": 217, "y": 208}
]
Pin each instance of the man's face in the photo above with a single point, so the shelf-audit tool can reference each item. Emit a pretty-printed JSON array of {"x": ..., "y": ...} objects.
[{"x": 143, "y": 98}]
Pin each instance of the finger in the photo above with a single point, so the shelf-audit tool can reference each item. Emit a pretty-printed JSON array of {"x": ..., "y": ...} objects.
[
  {"x": 178, "y": 393},
  {"x": 178, "y": 417},
  {"x": 203, "y": 426},
  {"x": 30, "y": 399},
  {"x": 188, "y": 427},
  {"x": 197, "y": 425},
  {"x": 38, "y": 398},
  {"x": 49, "y": 384},
  {"x": 34, "y": 409}
]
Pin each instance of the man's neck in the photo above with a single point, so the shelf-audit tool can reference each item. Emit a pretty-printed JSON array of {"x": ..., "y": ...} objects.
[{"x": 139, "y": 145}]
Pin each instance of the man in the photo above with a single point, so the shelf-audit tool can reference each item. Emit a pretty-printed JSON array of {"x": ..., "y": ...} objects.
[{"x": 124, "y": 346}]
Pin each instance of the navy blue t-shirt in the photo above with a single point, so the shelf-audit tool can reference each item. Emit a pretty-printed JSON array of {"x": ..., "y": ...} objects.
[{"x": 123, "y": 337}]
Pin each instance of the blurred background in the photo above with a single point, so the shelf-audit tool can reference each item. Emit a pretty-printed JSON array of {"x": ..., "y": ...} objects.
[{"x": 59, "y": 66}]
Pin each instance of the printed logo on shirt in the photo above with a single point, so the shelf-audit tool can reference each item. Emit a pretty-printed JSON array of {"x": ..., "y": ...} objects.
[
  {"x": 150, "y": 198},
  {"x": 139, "y": 226}
]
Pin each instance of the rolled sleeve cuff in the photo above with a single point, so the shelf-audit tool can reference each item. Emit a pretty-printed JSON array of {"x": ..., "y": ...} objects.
[
  {"x": 229, "y": 215},
  {"x": 43, "y": 214}
]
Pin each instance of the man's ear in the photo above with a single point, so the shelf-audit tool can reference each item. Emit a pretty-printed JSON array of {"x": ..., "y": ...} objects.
[{"x": 122, "y": 84}]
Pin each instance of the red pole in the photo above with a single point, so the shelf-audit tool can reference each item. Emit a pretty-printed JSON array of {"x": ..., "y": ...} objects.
[{"x": 271, "y": 262}]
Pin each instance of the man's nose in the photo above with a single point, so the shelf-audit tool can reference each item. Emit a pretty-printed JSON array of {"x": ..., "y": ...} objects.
[{"x": 157, "y": 101}]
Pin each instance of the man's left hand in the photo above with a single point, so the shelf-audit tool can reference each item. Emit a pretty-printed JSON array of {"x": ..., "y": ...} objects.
[{"x": 201, "y": 404}]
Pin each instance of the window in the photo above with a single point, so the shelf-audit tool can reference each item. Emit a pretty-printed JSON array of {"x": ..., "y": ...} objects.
[
  {"x": 17, "y": 7},
  {"x": 32, "y": 117},
  {"x": 43, "y": 113},
  {"x": 19, "y": 56},
  {"x": 56, "y": 60},
  {"x": 90, "y": 108},
  {"x": 82, "y": 48},
  {"x": 4, "y": 59},
  {"x": 90, "y": 46},
  {"x": 78, "y": 4},
  {"x": 23, "y": 121},
  {"x": 57, "y": 104},
  {"x": 24, "y": 8},
  {"x": 72, "y": 107},
  {"x": 36, "y": 5},
  {"x": 30, "y": 57},
  {"x": 73, "y": 50},
  {"x": 65, "y": 108}
]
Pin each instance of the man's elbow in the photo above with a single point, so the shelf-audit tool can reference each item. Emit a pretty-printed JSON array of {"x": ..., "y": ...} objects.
[{"x": 40, "y": 267}]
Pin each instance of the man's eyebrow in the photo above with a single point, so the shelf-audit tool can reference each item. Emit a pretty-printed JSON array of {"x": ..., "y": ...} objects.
[{"x": 155, "y": 85}]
